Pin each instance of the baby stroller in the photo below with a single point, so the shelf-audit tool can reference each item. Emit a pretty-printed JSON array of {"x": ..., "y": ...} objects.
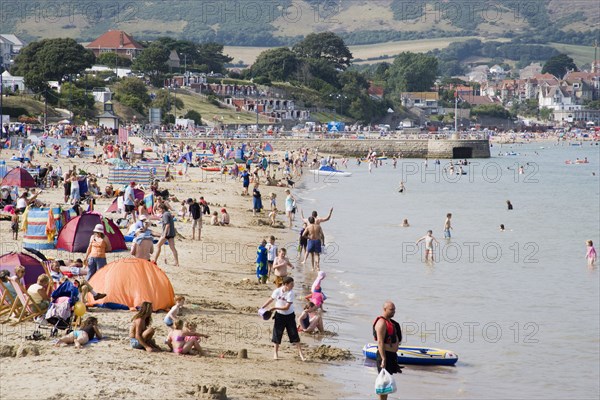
[{"x": 60, "y": 313}]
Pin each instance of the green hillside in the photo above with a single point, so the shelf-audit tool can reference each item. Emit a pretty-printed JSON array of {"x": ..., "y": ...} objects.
[
  {"x": 580, "y": 54},
  {"x": 249, "y": 23},
  {"x": 16, "y": 106}
]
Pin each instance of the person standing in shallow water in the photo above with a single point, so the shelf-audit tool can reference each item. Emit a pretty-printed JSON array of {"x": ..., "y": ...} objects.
[
  {"x": 448, "y": 226},
  {"x": 429, "y": 241},
  {"x": 314, "y": 234},
  {"x": 388, "y": 335},
  {"x": 509, "y": 205}
]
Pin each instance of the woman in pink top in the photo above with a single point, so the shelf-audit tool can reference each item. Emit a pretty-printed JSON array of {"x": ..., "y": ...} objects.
[{"x": 96, "y": 251}]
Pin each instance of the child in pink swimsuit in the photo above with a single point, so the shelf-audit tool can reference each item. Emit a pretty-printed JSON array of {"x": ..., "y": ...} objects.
[
  {"x": 317, "y": 296},
  {"x": 193, "y": 337},
  {"x": 591, "y": 253}
]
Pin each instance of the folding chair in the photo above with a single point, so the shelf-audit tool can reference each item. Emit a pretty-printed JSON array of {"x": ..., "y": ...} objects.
[
  {"x": 46, "y": 264},
  {"x": 6, "y": 299},
  {"x": 29, "y": 308}
]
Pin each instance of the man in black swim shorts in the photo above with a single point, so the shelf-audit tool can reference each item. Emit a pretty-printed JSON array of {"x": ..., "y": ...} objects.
[{"x": 388, "y": 335}]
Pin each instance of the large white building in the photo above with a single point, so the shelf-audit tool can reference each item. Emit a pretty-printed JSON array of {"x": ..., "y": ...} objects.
[
  {"x": 10, "y": 45},
  {"x": 557, "y": 98},
  {"x": 6, "y": 52}
]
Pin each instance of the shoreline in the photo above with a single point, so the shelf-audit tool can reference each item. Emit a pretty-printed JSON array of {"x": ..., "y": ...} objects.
[{"x": 218, "y": 280}]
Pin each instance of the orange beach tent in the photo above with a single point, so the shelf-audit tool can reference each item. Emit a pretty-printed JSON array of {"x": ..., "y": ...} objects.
[{"x": 131, "y": 281}]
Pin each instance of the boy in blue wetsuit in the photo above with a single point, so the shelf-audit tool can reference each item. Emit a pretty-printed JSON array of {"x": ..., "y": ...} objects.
[{"x": 262, "y": 270}]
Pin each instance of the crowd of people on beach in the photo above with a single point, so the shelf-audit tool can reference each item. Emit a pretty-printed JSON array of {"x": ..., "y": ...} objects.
[
  {"x": 81, "y": 191},
  {"x": 273, "y": 264}
]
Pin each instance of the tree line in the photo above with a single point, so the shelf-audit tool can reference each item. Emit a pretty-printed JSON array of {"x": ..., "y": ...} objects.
[
  {"x": 65, "y": 61},
  {"x": 321, "y": 63}
]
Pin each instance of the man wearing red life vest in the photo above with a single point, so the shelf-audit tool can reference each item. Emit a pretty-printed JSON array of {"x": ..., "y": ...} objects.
[{"x": 388, "y": 335}]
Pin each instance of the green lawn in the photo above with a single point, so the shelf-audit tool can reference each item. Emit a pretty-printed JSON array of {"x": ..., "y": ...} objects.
[
  {"x": 327, "y": 117},
  {"x": 580, "y": 54},
  {"x": 27, "y": 105},
  {"x": 208, "y": 110}
]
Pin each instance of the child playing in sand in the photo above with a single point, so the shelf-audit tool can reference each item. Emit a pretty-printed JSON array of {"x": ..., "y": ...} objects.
[
  {"x": 280, "y": 267},
  {"x": 317, "y": 297},
  {"x": 591, "y": 253},
  {"x": 271, "y": 253},
  {"x": 191, "y": 334},
  {"x": 310, "y": 319},
  {"x": 181, "y": 341},
  {"x": 214, "y": 219},
  {"x": 14, "y": 225},
  {"x": 273, "y": 215},
  {"x": 88, "y": 331},
  {"x": 174, "y": 312}
]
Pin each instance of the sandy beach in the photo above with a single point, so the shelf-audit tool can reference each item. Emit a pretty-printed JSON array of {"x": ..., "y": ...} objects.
[{"x": 217, "y": 277}]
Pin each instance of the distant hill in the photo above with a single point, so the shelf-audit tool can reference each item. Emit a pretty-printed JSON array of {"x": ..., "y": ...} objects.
[{"x": 284, "y": 22}]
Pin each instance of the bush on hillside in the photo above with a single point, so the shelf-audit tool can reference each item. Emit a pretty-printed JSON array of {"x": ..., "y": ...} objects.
[{"x": 194, "y": 116}]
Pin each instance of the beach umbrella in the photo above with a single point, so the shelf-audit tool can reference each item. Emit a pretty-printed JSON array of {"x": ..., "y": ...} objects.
[
  {"x": 18, "y": 177},
  {"x": 64, "y": 121}
]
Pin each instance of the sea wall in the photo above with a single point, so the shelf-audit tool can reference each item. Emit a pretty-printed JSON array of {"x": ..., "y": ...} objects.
[{"x": 404, "y": 148}]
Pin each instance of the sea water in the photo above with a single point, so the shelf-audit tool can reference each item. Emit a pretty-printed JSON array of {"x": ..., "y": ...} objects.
[{"x": 519, "y": 307}]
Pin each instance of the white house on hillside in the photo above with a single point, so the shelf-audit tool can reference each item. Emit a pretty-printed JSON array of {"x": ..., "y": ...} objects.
[
  {"x": 6, "y": 51},
  {"x": 17, "y": 43},
  {"x": 426, "y": 101},
  {"x": 13, "y": 82},
  {"x": 557, "y": 98}
]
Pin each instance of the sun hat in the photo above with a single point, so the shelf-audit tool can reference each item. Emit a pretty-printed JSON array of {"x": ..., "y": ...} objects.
[{"x": 99, "y": 228}]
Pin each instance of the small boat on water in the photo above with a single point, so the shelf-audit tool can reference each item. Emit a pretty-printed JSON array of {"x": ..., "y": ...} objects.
[
  {"x": 412, "y": 355},
  {"x": 329, "y": 171},
  {"x": 578, "y": 161}
]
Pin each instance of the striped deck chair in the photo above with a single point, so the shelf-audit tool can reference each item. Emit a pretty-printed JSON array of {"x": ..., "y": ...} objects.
[
  {"x": 46, "y": 264},
  {"x": 6, "y": 299},
  {"x": 29, "y": 308}
]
